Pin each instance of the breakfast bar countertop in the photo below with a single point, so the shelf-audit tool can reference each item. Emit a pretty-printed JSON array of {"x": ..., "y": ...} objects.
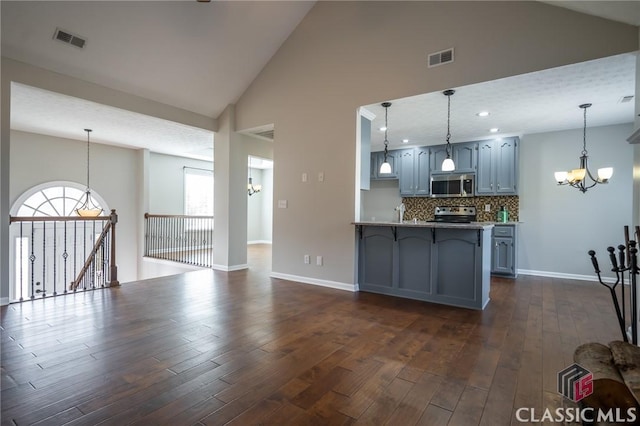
[{"x": 424, "y": 224}]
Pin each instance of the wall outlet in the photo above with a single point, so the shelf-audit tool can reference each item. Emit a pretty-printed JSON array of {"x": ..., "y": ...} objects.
[
  {"x": 487, "y": 207},
  {"x": 307, "y": 259},
  {"x": 282, "y": 204},
  {"x": 319, "y": 260},
  {"x": 321, "y": 177}
]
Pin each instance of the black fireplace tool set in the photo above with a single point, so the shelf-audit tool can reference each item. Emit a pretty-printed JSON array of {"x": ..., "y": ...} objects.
[{"x": 627, "y": 262}]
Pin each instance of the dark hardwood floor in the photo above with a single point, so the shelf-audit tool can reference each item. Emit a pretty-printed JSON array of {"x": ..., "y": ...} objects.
[{"x": 211, "y": 348}]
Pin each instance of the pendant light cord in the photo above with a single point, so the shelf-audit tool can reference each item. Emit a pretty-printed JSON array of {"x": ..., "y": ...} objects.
[
  {"x": 584, "y": 133},
  {"x": 386, "y": 129},
  {"x": 448, "y": 93},
  {"x": 88, "y": 132}
]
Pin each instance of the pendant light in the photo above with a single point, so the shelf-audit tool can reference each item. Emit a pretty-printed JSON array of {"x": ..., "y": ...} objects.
[
  {"x": 88, "y": 208},
  {"x": 251, "y": 188},
  {"x": 577, "y": 178},
  {"x": 447, "y": 164},
  {"x": 385, "y": 167}
]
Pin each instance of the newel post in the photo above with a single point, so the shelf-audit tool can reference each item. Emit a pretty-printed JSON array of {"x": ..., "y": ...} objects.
[{"x": 114, "y": 268}]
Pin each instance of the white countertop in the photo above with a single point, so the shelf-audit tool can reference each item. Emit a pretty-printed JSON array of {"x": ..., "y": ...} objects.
[{"x": 423, "y": 224}]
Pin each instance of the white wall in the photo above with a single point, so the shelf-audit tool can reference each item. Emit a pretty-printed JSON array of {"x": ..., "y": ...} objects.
[
  {"x": 380, "y": 201},
  {"x": 346, "y": 54},
  {"x": 560, "y": 224},
  {"x": 260, "y": 207},
  {"x": 166, "y": 182},
  {"x": 37, "y": 159}
]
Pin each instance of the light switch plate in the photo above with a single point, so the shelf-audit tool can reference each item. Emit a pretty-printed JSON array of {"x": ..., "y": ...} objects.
[
  {"x": 282, "y": 204},
  {"x": 321, "y": 177},
  {"x": 304, "y": 177}
]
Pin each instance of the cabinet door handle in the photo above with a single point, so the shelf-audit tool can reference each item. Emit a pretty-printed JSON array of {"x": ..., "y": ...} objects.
[
  {"x": 491, "y": 185},
  {"x": 498, "y": 186}
]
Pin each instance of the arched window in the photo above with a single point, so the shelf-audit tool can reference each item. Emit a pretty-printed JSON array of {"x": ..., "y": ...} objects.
[
  {"x": 49, "y": 254},
  {"x": 54, "y": 199}
]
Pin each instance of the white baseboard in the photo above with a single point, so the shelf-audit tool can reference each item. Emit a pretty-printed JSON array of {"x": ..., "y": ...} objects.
[
  {"x": 230, "y": 268},
  {"x": 4, "y": 301},
  {"x": 173, "y": 263},
  {"x": 565, "y": 276},
  {"x": 259, "y": 242},
  {"x": 315, "y": 281}
]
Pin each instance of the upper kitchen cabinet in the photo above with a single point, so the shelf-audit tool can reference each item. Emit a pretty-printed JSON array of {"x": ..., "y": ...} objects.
[
  {"x": 377, "y": 158},
  {"x": 464, "y": 156},
  {"x": 414, "y": 172},
  {"x": 497, "y": 172}
]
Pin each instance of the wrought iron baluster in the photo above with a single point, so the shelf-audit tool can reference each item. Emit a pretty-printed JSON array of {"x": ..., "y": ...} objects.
[
  {"x": 44, "y": 257},
  {"x": 21, "y": 278},
  {"x": 32, "y": 258},
  {"x": 75, "y": 249},
  {"x": 65, "y": 255},
  {"x": 55, "y": 257}
]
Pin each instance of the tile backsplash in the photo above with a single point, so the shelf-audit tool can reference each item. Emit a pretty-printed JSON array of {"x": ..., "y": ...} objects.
[{"x": 422, "y": 208}]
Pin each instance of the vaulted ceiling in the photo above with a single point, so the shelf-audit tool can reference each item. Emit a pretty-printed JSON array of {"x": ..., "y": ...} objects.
[{"x": 196, "y": 56}]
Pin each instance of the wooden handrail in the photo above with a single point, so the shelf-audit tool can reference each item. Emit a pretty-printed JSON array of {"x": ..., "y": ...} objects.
[
  {"x": 148, "y": 215},
  {"x": 113, "y": 219},
  {"x": 56, "y": 218}
]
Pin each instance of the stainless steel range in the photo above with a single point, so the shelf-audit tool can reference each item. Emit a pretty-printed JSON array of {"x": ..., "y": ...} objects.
[{"x": 455, "y": 214}]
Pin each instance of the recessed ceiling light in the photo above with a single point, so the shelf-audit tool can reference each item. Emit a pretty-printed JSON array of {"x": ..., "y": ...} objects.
[
  {"x": 405, "y": 140},
  {"x": 494, "y": 130},
  {"x": 483, "y": 114},
  {"x": 382, "y": 129}
]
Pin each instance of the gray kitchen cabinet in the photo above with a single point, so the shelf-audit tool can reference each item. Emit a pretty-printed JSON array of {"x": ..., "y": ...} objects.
[
  {"x": 436, "y": 263},
  {"x": 377, "y": 158},
  {"x": 437, "y": 154},
  {"x": 504, "y": 250},
  {"x": 497, "y": 168},
  {"x": 414, "y": 172},
  {"x": 464, "y": 156}
]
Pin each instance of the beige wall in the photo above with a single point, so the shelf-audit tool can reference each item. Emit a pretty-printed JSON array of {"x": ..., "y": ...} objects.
[{"x": 346, "y": 54}]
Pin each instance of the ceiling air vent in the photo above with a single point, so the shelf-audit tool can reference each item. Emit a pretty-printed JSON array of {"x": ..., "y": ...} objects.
[
  {"x": 440, "y": 58},
  {"x": 626, "y": 99},
  {"x": 68, "y": 38}
]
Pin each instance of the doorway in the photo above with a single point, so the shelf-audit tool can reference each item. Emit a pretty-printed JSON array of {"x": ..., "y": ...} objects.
[{"x": 259, "y": 211}]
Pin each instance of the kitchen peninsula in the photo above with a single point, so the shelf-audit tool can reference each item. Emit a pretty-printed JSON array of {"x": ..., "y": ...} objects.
[{"x": 446, "y": 263}]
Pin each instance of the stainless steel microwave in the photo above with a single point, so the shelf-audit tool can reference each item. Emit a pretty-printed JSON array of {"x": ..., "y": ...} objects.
[{"x": 452, "y": 185}]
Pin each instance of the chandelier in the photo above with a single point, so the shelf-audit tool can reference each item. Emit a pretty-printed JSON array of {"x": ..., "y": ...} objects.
[
  {"x": 577, "y": 178},
  {"x": 251, "y": 188},
  {"x": 88, "y": 208},
  {"x": 447, "y": 164}
]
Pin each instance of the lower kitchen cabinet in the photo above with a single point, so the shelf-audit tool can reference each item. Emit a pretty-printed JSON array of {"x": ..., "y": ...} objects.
[
  {"x": 448, "y": 265},
  {"x": 504, "y": 254}
]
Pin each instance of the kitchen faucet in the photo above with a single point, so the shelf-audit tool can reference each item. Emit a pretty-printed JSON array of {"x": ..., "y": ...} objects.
[{"x": 400, "y": 209}]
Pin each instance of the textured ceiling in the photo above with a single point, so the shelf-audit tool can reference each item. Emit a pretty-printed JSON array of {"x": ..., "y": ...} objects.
[
  {"x": 196, "y": 56},
  {"x": 216, "y": 49},
  {"x": 530, "y": 103},
  {"x": 40, "y": 111}
]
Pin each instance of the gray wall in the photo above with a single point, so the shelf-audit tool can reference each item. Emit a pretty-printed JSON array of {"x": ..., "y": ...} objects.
[
  {"x": 560, "y": 224},
  {"x": 166, "y": 182},
  {"x": 346, "y": 54},
  {"x": 37, "y": 159}
]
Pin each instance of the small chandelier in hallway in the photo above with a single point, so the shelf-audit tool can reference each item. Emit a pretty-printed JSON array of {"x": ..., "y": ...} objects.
[
  {"x": 251, "y": 188},
  {"x": 88, "y": 208}
]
